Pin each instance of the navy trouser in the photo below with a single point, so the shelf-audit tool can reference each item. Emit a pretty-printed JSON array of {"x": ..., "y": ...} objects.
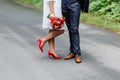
[{"x": 71, "y": 12}]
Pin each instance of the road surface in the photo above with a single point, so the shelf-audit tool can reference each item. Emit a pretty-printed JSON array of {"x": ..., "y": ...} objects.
[{"x": 20, "y": 59}]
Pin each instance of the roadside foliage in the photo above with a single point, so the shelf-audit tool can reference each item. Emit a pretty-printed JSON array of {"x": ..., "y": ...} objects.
[{"x": 108, "y": 8}]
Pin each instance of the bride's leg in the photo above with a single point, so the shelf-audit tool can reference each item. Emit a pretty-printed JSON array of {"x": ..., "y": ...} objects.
[
  {"x": 51, "y": 44},
  {"x": 52, "y": 34}
]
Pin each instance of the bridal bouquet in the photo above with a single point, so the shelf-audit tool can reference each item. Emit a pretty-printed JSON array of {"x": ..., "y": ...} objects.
[{"x": 57, "y": 22}]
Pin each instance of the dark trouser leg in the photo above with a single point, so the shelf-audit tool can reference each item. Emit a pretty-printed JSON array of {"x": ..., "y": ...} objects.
[
  {"x": 72, "y": 14},
  {"x": 65, "y": 12}
]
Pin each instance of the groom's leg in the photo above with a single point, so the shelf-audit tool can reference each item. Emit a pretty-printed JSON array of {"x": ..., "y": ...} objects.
[
  {"x": 72, "y": 13},
  {"x": 66, "y": 14},
  {"x": 74, "y": 16}
]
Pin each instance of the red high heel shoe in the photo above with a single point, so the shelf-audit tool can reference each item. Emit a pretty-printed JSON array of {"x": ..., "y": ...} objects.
[
  {"x": 53, "y": 55},
  {"x": 40, "y": 41}
]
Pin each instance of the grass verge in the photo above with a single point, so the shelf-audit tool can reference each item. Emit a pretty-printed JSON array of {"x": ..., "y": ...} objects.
[
  {"x": 100, "y": 22},
  {"x": 32, "y": 3}
]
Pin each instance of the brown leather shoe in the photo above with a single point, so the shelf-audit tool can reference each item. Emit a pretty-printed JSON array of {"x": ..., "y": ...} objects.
[
  {"x": 78, "y": 59},
  {"x": 69, "y": 56}
]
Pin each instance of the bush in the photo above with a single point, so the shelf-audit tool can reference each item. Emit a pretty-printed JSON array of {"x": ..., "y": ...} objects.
[{"x": 110, "y": 9}]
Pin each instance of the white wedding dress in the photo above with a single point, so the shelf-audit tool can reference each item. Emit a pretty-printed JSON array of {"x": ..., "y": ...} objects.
[{"x": 46, "y": 11}]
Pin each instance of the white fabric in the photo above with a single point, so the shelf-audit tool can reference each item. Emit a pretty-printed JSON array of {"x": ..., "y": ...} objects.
[{"x": 46, "y": 11}]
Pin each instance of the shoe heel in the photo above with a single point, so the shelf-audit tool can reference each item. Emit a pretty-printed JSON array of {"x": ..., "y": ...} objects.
[
  {"x": 48, "y": 55},
  {"x": 39, "y": 41}
]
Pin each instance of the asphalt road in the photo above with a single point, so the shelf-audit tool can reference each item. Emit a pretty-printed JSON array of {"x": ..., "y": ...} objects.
[{"x": 20, "y": 59}]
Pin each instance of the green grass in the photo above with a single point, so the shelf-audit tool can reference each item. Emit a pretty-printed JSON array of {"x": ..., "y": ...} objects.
[
  {"x": 100, "y": 21},
  {"x": 32, "y": 3}
]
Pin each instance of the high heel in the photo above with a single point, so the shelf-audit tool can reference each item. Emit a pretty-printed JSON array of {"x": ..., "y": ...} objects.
[
  {"x": 53, "y": 55},
  {"x": 40, "y": 41}
]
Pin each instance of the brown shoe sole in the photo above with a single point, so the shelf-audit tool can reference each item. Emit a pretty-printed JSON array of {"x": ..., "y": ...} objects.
[
  {"x": 69, "y": 58},
  {"x": 78, "y": 62}
]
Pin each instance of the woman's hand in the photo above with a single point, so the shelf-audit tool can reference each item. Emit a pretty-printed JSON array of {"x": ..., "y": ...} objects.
[{"x": 52, "y": 15}]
